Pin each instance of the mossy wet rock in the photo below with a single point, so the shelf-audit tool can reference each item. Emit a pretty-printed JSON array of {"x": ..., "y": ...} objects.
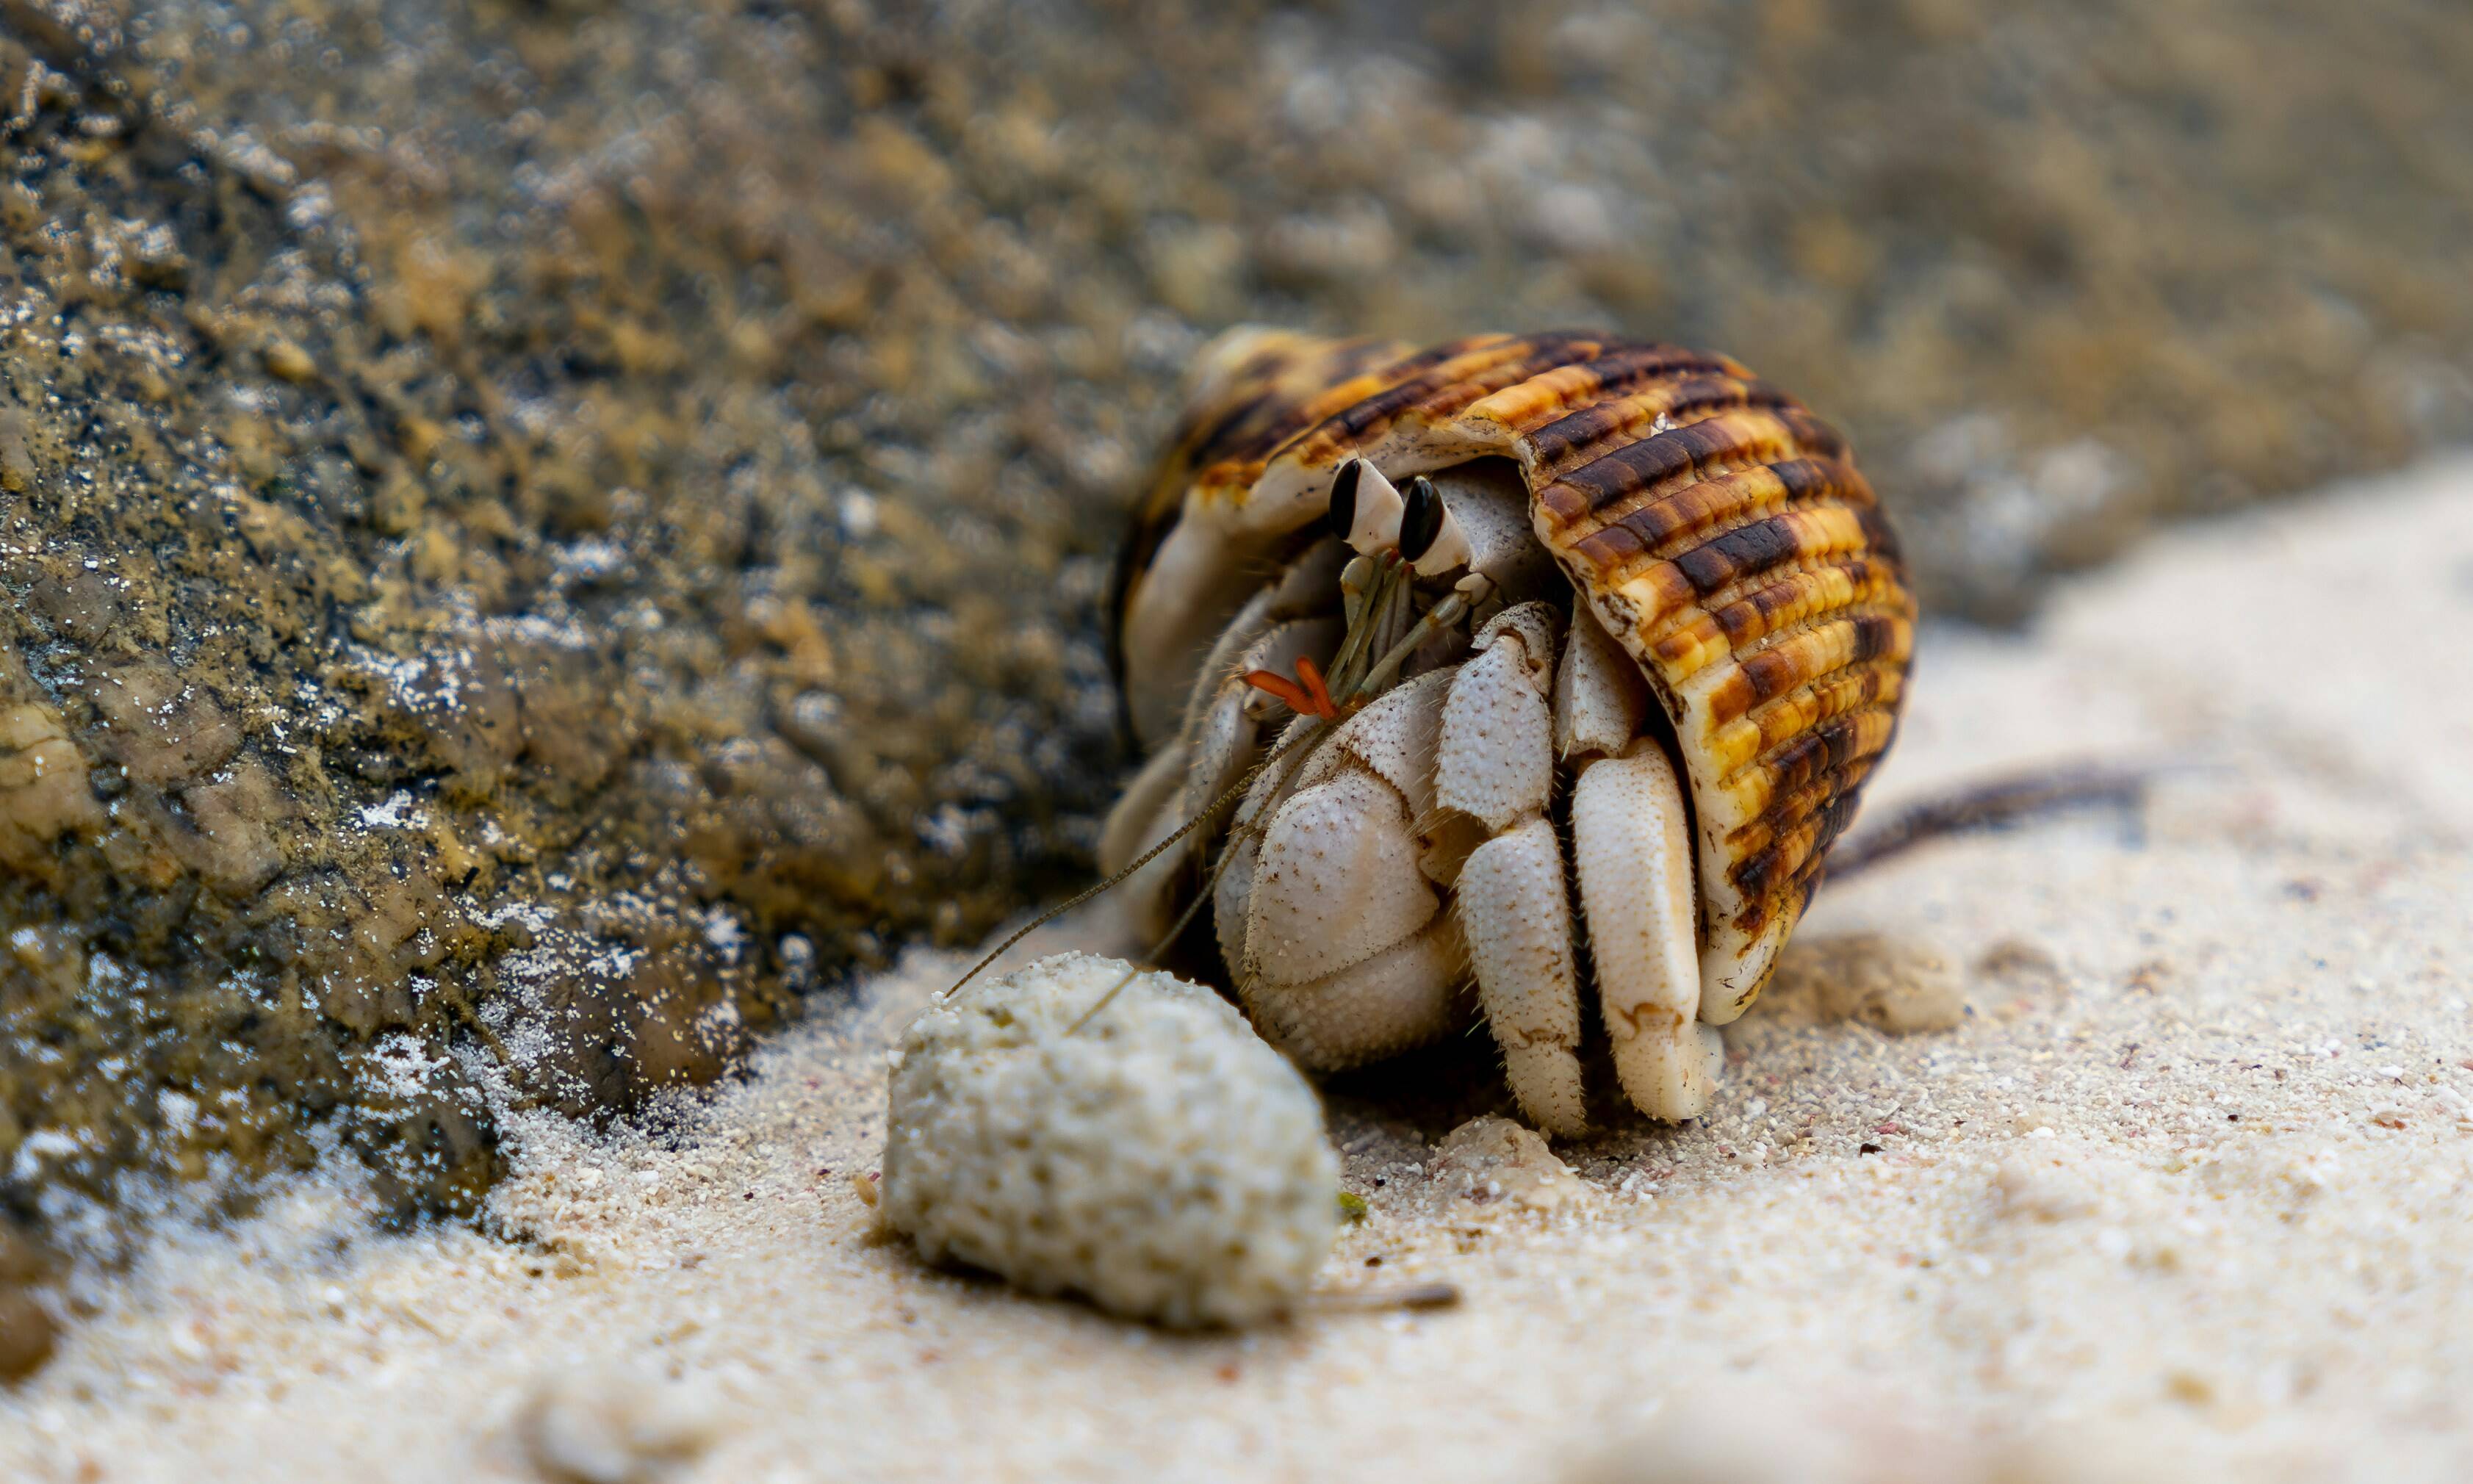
[{"x": 397, "y": 704}]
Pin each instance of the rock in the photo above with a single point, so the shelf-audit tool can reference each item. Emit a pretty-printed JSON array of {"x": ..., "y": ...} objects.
[
  {"x": 1161, "y": 1161},
  {"x": 395, "y": 617},
  {"x": 28, "y": 1332},
  {"x": 608, "y": 1425}
]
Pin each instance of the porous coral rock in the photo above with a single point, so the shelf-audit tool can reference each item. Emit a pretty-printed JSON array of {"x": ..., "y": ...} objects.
[{"x": 1160, "y": 1159}]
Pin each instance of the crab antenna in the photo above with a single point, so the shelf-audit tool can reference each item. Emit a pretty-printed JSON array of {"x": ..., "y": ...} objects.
[
  {"x": 1353, "y": 581},
  {"x": 1093, "y": 891},
  {"x": 1387, "y": 574},
  {"x": 1150, "y": 960},
  {"x": 1209, "y": 888},
  {"x": 1454, "y": 605},
  {"x": 1234, "y": 791}
]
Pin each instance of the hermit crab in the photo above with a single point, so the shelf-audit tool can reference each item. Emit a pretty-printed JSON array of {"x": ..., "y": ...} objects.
[{"x": 1536, "y": 661}]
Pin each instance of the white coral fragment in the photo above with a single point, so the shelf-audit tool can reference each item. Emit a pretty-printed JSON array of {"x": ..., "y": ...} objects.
[{"x": 1160, "y": 1159}]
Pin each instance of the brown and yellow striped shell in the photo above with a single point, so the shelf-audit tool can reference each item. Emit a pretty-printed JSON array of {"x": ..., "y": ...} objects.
[{"x": 1716, "y": 527}]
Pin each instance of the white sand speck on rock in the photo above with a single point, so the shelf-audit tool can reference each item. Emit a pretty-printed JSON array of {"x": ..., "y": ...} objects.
[{"x": 2195, "y": 1176}]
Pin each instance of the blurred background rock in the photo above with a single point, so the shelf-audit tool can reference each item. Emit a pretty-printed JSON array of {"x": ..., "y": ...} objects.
[{"x": 538, "y": 533}]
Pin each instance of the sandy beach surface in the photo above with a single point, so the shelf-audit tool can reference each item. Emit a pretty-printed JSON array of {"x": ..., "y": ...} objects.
[{"x": 2188, "y": 1192}]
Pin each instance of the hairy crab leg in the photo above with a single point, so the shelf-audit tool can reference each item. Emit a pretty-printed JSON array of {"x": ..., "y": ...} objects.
[
  {"x": 1398, "y": 542},
  {"x": 1151, "y": 794},
  {"x": 1516, "y": 914},
  {"x": 1634, "y": 853},
  {"x": 1599, "y": 698},
  {"x": 1495, "y": 763},
  {"x": 1406, "y": 996}
]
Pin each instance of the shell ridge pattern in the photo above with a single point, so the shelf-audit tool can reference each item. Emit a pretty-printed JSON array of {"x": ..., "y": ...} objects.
[
  {"x": 1242, "y": 466},
  {"x": 1753, "y": 738},
  {"x": 1751, "y": 614},
  {"x": 1538, "y": 402},
  {"x": 1581, "y": 438},
  {"x": 1416, "y": 413},
  {"x": 1646, "y": 550},
  {"x": 1437, "y": 386},
  {"x": 1660, "y": 544},
  {"x": 1443, "y": 407},
  {"x": 1594, "y": 495}
]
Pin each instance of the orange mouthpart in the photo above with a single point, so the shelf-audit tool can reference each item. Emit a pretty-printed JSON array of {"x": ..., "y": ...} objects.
[{"x": 1306, "y": 695}]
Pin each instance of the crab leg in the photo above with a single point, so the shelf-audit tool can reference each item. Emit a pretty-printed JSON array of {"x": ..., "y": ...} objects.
[
  {"x": 1518, "y": 921},
  {"x": 1346, "y": 952},
  {"x": 1634, "y": 853},
  {"x": 1145, "y": 816},
  {"x": 1232, "y": 883},
  {"x": 1495, "y": 762},
  {"x": 1598, "y": 695},
  {"x": 1404, "y": 996},
  {"x": 1337, "y": 882},
  {"x": 1495, "y": 758},
  {"x": 1324, "y": 911}
]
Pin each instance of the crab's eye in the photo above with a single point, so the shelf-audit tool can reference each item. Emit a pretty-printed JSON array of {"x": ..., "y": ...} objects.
[
  {"x": 1371, "y": 508},
  {"x": 1421, "y": 520},
  {"x": 1342, "y": 519},
  {"x": 1449, "y": 551}
]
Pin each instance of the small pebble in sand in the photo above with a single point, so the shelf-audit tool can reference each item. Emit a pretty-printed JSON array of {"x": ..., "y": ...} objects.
[
  {"x": 26, "y": 1335},
  {"x": 27, "y": 1332},
  {"x": 1158, "y": 1158},
  {"x": 1493, "y": 1158},
  {"x": 1898, "y": 984},
  {"x": 610, "y": 1425}
]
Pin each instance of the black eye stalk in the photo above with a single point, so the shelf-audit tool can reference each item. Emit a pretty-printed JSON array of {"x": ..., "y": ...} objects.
[
  {"x": 1421, "y": 520},
  {"x": 1341, "y": 521},
  {"x": 1398, "y": 541},
  {"x": 1374, "y": 521},
  {"x": 1364, "y": 509}
]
